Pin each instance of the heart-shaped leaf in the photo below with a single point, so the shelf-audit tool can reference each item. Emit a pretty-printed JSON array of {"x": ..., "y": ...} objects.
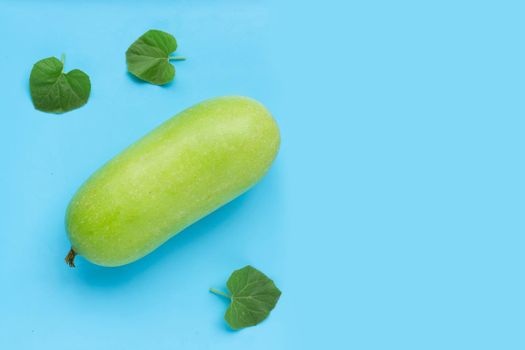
[
  {"x": 54, "y": 91},
  {"x": 148, "y": 58},
  {"x": 253, "y": 296}
]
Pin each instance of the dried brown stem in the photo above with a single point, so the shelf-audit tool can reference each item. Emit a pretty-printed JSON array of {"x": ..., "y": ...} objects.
[{"x": 70, "y": 258}]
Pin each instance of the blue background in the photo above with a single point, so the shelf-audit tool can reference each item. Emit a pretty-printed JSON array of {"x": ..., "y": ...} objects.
[{"x": 392, "y": 218}]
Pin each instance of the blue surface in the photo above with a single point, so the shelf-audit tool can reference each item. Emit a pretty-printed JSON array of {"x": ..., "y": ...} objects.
[{"x": 392, "y": 219}]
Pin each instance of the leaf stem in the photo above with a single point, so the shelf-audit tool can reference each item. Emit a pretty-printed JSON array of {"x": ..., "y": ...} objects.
[
  {"x": 176, "y": 58},
  {"x": 218, "y": 292},
  {"x": 63, "y": 60}
]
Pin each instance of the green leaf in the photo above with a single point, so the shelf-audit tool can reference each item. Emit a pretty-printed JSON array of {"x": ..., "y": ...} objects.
[
  {"x": 253, "y": 296},
  {"x": 54, "y": 91},
  {"x": 148, "y": 58}
]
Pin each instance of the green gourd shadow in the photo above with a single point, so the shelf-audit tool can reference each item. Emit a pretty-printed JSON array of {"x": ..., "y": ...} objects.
[{"x": 100, "y": 277}]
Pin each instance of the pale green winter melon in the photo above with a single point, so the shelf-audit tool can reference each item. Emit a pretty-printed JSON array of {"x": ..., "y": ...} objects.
[{"x": 189, "y": 166}]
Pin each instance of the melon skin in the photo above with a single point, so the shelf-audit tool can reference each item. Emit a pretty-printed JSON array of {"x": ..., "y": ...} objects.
[{"x": 191, "y": 165}]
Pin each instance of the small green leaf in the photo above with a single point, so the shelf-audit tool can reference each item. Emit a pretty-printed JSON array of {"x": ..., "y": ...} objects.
[
  {"x": 148, "y": 58},
  {"x": 253, "y": 296},
  {"x": 54, "y": 91}
]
